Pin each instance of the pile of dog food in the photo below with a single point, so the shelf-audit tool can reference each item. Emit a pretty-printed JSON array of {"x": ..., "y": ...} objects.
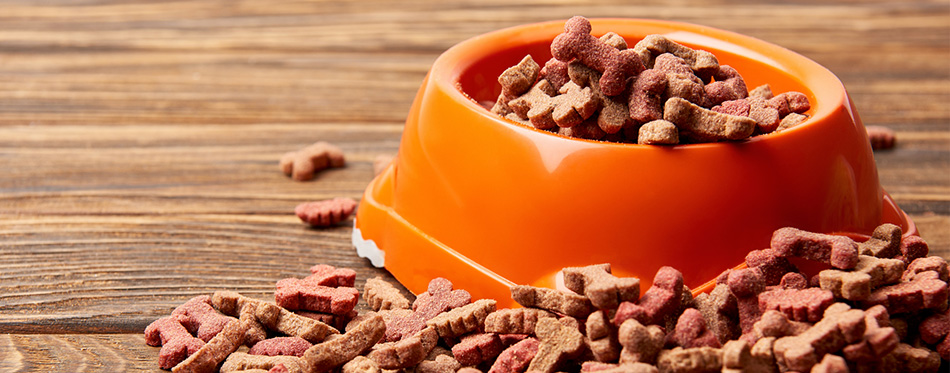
[
  {"x": 658, "y": 92},
  {"x": 880, "y": 306}
]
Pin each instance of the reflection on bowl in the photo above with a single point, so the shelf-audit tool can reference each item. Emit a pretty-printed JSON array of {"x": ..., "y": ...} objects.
[{"x": 487, "y": 203}]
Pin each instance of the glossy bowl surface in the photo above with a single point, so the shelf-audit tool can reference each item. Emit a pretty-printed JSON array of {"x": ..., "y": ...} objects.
[{"x": 488, "y": 203}]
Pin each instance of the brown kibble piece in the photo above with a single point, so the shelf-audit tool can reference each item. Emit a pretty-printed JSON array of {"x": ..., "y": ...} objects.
[
  {"x": 909, "y": 359},
  {"x": 869, "y": 274},
  {"x": 703, "y": 63},
  {"x": 761, "y": 92},
  {"x": 690, "y": 360},
  {"x": 831, "y": 364},
  {"x": 342, "y": 348},
  {"x": 382, "y": 295},
  {"x": 327, "y": 275},
  {"x": 439, "y": 360},
  {"x": 790, "y": 120},
  {"x": 515, "y": 81},
  {"x": 658, "y": 132},
  {"x": 473, "y": 349},
  {"x": 775, "y": 324},
  {"x": 602, "y": 288},
  {"x": 558, "y": 342},
  {"x": 243, "y": 362},
  {"x": 556, "y": 73},
  {"x": 288, "y": 346},
  {"x": 272, "y": 316},
  {"x": 514, "y": 320},
  {"x": 336, "y": 321},
  {"x": 614, "y": 114},
  {"x": 691, "y": 331},
  {"x": 728, "y": 86},
  {"x": 326, "y": 213},
  {"x": 438, "y": 298},
  {"x": 680, "y": 80},
  {"x": 516, "y": 358},
  {"x": 885, "y": 242},
  {"x": 361, "y": 364},
  {"x": 701, "y": 124},
  {"x": 463, "y": 320},
  {"x": 720, "y": 310},
  {"x": 602, "y": 337},
  {"x": 615, "y": 65},
  {"x": 660, "y": 300},
  {"x": 301, "y": 165},
  {"x": 297, "y": 294},
  {"x": 737, "y": 357},
  {"x": 209, "y": 356},
  {"x": 552, "y": 300},
  {"x": 406, "y": 352},
  {"x": 640, "y": 343},
  {"x": 402, "y": 323},
  {"x": 766, "y": 117},
  {"x": 881, "y": 138},
  {"x": 838, "y": 251},
  {"x": 839, "y": 327},
  {"x": 588, "y": 129},
  {"x": 878, "y": 340},
  {"x": 177, "y": 343}
]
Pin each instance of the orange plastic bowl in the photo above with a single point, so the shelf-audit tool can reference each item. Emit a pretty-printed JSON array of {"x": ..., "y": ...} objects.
[{"x": 488, "y": 203}]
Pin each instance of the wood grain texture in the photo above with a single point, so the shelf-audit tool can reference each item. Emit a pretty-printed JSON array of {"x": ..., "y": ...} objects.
[{"x": 139, "y": 139}]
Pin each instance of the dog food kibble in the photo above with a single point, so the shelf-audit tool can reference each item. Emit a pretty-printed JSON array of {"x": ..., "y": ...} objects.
[
  {"x": 886, "y": 312},
  {"x": 881, "y": 138},
  {"x": 302, "y": 164},
  {"x": 597, "y": 88},
  {"x": 325, "y": 213}
]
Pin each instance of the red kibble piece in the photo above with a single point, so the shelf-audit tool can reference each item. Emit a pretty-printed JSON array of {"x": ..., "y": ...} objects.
[
  {"x": 878, "y": 340},
  {"x": 325, "y": 213},
  {"x": 646, "y": 97},
  {"x": 516, "y": 358},
  {"x": 771, "y": 266},
  {"x": 912, "y": 248},
  {"x": 838, "y": 251},
  {"x": 614, "y": 114},
  {"x": 793, "y": 280},
  {"x": 602, "y": 288},
  {"x": 201, "y": 318},
  {"x": 661, "y": 299},
  {"x": 680, "y": 80},
  {"x": 691, "y": 331},
  {"x": 555, "y": 72},
  {"x": 931, "y": 263},
  {"x": 439, "y": 298},
  {"x": 746, "y": 284},
  {"x": 473, "y": 349},
  {"x": 302, "y": 164},
  {"x": 935, "y": 330},
  {"x": 327, "y": 275},
  {"x": 281, "y": 346},
  {"x": 923, "y": 292},
  {"x": 881, "y": 138},
  {"x": 559, "y": 342},
  {"x": 799, "y": 305},
  {"x": 402, "y": 323},
  {"x": 213, "y": 353},
  {"x": 790, "y": 102},
  {"x": 728, "y": 86},
  {"x": 297, "y": 294},
  {"x": 177, "y": 343},
  {"x": 615, "y": 65}
]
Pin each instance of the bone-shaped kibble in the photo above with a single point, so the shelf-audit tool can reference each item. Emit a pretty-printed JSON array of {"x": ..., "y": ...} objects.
[
  {"x": 406, "y": 352},
  {"x": 831, "y": 364},
  {"x": 935, "y": 330},
  {"x": 728, "y": 86},
  {"x": 838, "y": 251},
  {"x": 201, "y": 318},
  {"x": 473, "y": 349},
  {"x": 771, "y": 266},
  {"x": 272, "y": 316},
  {"x": 931, "y": 263},
  {"x": 913, "y": 248},
  {"x": 790, "y": 102},
  {"x": 683, "y": 360},
  {"x": 569, "y": 108},
  {"x": 640, "y": 343},
  {"x": 614, "y": 114},
  {"x": 766, "y": 117},
  {"x": 615, "y": 65},
  {"x": 720, "y": 310},
  {"x": 763, "y": 92},
  {"x": 799, "y": 305},
  {"x": 462, "y": 320},
  {"x": 737, "y": 357},
  {"x": 878, "y": 340},
  {"x": 401, "y": 324},
  {"x": 303, "y": 163},
  {"x": 703, "y": 63},
  {"x": 602, "y": 288},
  {"x": 382, "y": 295},
  {"x": 559, "y": 342},
  {"x": 680, "y": 80},
  {"x": 746, "y": 285},
  {"x": 658, "y": 132},
  {"x": 289, "y": 346},
  {"x": 661, "y": 299},
  {"x": 241, "y": 362},
  {"x": 702, "y": 124},
  {"x": 335, "y": 351},
  {"x": 515, "y": 81},
  {"x": 177, "y": 343},
  {"x": 325, "y": 213},
  {"x": 869, "y": 274},
  {"x": 327, "y": 275},
  {"x": 839, "y": 327},
  {"x": 555, "y": 72},
  {"x": 209, "y": 356},
  {"x": 439, "y": 297},
  {"x": 297, "y": 294},
  {"x": 646, "y": 96},
  {"x": 922, "y": 292},
  {"x": 691, "y": 331},
  {"x": 439, "y": 360},
  {"x": 885, "y": 242},
  {"x": 516, "y": 358},
  {"x": 514, "y": 320},
  {"x": 775, "y": 324},
  {"x": 790, "y": 120},
  {"x": 552, "y": 300},
  {"x": 602, "y": 337}
]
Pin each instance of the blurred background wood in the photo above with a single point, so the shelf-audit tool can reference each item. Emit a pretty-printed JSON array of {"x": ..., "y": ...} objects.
[{"x": 139, "y": 139}]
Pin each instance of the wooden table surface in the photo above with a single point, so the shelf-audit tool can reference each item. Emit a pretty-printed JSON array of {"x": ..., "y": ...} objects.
[{"x": 139, "y": 139}]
